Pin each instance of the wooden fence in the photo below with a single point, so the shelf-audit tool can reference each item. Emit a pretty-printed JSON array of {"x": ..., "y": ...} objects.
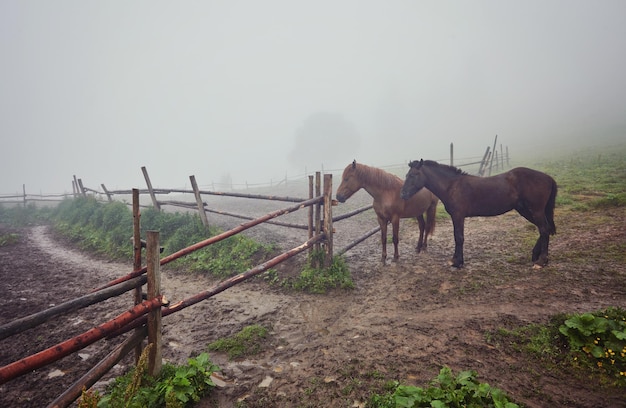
[{"x": 145, "y": 317}]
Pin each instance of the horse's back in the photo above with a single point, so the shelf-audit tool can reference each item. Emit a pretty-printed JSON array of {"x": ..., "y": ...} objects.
[{"x": 532, "y": 179}]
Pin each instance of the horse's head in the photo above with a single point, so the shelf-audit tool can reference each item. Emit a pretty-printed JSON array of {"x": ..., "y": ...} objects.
[
  {"x": 414, "y": 181},
  {"x": 350, "y": 183}
]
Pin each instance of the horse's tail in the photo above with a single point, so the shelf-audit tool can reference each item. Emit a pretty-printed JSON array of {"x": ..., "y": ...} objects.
[
  {"x": 550, "y": 208},
  {"x": 431, "y": 213}
]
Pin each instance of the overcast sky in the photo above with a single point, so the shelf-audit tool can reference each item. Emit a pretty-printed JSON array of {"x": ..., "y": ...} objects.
[{"x": 235, "y": 89}]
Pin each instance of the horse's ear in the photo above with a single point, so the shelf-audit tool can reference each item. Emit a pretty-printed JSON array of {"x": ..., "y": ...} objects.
[{"x": 354, "y": 164}]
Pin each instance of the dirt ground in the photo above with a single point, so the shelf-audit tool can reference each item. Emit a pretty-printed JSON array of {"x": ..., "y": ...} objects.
[{"x": 403, "y": 321}]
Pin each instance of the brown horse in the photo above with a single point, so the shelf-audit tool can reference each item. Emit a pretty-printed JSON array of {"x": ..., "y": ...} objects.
[
  {"x": 389, "y": 207},
  {"x": 530, "y": 192}
]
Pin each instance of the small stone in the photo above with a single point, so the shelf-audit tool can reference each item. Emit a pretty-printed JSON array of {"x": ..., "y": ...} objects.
[
  {"x": 266, "y": 382},
  {"x": 56, "y": 373}
]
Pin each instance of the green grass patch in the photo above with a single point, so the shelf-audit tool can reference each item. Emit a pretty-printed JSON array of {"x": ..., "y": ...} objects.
[
  {"x": 319, "y": 279},
  {"x": 20, "y": 216},
  {"x": 247, "y": 342},
  {"x": 107, "y": 228},
  {"x": 589, "y": 181},
  {"x": 9, "y": 239}
]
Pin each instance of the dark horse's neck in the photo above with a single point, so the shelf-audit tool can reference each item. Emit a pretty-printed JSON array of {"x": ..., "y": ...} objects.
[{"x": 440, "y": 176}]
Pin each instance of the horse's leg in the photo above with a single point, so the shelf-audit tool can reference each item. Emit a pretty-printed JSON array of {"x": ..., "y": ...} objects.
[
  {"x": 540, "y": 251},
  {"x": 421, "y": 243},
  {"x": 395, "y": 228},
  {"x": 459, "y": 225},
  {"x": 383, "y": 237}
]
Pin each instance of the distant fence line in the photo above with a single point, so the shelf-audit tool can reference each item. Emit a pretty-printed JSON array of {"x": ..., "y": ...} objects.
[{"x": 491, "y": 160}]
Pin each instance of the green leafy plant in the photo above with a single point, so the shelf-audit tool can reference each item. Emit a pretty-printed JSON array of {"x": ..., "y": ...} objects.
[
  {"x": 175, "y": 387},
  {"x": 319, "y": 279},
  {"x": 600, "y": 338},
  {"x": 247, "y": 342},
  {"x": 446, "y": 390}
]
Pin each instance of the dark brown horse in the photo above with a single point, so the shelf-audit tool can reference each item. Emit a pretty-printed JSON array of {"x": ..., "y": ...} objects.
[
  {"x": 389, "y": 207},
  {"x": 531, "y": 193}
]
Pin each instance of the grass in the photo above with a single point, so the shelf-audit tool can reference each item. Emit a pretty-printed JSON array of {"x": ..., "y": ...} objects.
[
  {"x": 9, "y": 239},
  {"x": 249, "y": 341},
  {"x": 589, "y": 180},
  {"x": 320, "y": 279}
]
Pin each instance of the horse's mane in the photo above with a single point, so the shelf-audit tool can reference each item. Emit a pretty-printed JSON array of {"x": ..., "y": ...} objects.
[
  {"x": 377, "y": 176},
  {"x": 432, "y": 163}
]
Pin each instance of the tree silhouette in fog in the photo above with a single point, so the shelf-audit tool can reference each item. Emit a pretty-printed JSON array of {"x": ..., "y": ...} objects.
[{"x": 325, "y": 138}]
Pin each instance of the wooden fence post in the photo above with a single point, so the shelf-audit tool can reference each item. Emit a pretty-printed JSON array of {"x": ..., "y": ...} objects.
[
  {"x": 451, "y": 154},
  {"x": 493, "y": 151},
  {"x": 155, "y": 203},
  {"x": 75, "y": 184},
  {"x": 81, "y": 189},
  {"x": 310, "y": 213},
  {"x": 109, "y": 196},
  {"x": 154, "y": 290},
  {"x": 196, "y": 192},
  {"x": 328, "y": 219},
  {"x": 318, "y": 225},
  {"x": 483, "y": 163},
  {"x": 137, "y": 255},
  {"x": 24, "y": 191}
]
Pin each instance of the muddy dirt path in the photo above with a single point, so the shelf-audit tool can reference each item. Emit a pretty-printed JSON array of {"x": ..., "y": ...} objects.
[{"x": 403, "y": 321}]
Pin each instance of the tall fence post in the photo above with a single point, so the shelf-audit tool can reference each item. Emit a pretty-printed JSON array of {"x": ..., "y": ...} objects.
[
  {"x": 310, "y": 213},
  {"x": 109, "y": 196},
  {"x": 154, "y": 290},
  {"x": 196, "y": 193},
  {"x": 81, "y": 189},
  {"x": 155, "y": 203},
  {"x": 483, "y": 163},
  {"x": 451, "y": 154},
  {"x": 328, "y": 219},
  {"x": 137, "y": 255},
  {"x": 493, "y": 152},
  {"x": 75, "y": 187},
  {"x": 318, "y": 225}
]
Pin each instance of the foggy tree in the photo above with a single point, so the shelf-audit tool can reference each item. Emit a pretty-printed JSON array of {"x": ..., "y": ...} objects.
[{"x": 324, "y": 138}]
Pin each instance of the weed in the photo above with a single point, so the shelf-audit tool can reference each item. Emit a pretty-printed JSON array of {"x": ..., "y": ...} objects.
[
  {"x": 248, "y": 341},
  {"x": 320, "y": 279},
  {"x": 9, "y": 239},
  {"x": 446, "y": 390},
  {"x": 175, "y": 387},
  {"x": 599, "y": 339}
]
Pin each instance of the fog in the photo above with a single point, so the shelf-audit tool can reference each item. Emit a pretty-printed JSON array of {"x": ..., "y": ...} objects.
[{"x": 256, "y": 91}]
